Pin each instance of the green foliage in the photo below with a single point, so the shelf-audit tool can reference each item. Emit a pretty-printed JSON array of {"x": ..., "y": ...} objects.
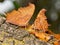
[
  {"x": 16, "y": 5},
  {"x": 2, "y": 15},
  {"x": 1, "y": 0}
]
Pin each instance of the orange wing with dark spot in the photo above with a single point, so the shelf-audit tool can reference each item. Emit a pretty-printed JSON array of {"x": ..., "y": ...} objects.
[
  {"x": 41, "y": 22},
  {"x": 22, "y": 16}
]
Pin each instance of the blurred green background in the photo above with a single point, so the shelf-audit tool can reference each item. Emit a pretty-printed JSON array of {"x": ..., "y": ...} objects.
[{"x": 52, "y": 7}]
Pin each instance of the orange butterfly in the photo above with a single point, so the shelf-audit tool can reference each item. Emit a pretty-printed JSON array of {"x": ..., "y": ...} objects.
[
  {"x": 41, "y": 22},
  {"x": 22, "y": 16}
]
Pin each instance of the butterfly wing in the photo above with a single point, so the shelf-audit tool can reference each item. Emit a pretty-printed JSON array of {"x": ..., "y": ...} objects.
[
  {"x": 22, "y": 16},
  {"x": 41, "y": 22}
]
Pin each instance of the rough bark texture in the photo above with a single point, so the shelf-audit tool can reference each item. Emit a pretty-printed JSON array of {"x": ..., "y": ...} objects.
[{"x": 13, "y": 35}]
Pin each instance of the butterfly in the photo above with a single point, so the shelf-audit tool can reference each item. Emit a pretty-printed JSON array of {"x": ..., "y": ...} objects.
[{"x": 22, "y": 16}]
